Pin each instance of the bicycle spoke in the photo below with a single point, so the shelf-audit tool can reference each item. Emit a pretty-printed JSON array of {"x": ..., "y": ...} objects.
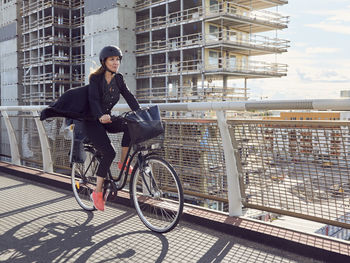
[
  {"x": 158, "y": 208},
  {"x": 84, "y": 181}
]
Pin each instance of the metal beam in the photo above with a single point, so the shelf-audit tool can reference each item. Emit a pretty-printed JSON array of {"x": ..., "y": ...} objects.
[{"x": 233, "y": 190}]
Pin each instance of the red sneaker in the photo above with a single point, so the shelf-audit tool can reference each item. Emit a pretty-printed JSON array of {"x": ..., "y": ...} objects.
[
  {"x": 120, "y": 165},
  {"x": 98, "y": 200}
]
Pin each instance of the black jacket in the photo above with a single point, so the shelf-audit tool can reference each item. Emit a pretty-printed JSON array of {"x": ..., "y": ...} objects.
[
  {"x": 85, "y": 102},
  {"x": 96, "y": 93}
]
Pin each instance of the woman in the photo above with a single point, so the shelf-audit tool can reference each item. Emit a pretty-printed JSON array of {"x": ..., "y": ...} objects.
[{"x": 105, "y": 87}]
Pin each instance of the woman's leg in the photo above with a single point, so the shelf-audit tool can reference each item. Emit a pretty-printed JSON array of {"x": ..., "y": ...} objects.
[
  {"x": 118, "y": 125},
  {"x": 99, "y": 138},
  {"x": 99, "y": 184}
]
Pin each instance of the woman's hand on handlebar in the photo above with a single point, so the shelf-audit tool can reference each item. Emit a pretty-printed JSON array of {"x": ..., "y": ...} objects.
[{"x": 106, "y": 118}]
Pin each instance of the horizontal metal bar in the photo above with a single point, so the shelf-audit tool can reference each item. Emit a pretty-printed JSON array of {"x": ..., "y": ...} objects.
[{"x": 322, "y": 104}]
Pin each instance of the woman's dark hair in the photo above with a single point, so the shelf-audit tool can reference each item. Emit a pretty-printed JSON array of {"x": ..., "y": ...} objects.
[{"x": 98, "y": 71}]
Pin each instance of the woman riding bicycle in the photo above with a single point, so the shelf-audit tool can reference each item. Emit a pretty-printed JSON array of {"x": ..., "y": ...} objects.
[{"x": 105, "y": 86}]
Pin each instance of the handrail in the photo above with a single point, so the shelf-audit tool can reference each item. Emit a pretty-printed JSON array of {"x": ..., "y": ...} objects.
[{"x": 309, "y": 104}]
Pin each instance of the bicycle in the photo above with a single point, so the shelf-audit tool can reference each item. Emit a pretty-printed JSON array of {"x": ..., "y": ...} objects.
[{"x": 155, "y": 188}]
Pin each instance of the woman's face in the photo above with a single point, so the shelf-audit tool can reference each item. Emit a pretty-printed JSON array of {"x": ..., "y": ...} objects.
[{"x": 113, "y": 63}]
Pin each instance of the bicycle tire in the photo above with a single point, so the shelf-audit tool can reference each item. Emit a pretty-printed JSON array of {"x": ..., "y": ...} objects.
[
  {"x": 83, "y": 181},
  {"x": 159, "y": 208}
]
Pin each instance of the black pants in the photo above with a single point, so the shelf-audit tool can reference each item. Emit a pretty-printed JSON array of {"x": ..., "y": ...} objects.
[{"x": 97, "y": 133}]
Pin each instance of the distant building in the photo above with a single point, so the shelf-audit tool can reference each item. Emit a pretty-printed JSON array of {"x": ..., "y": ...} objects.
[
  {"x": 345, "y": 93},
  {"x": 310, "y": 115},
  {"x": 336, "y": 231}
]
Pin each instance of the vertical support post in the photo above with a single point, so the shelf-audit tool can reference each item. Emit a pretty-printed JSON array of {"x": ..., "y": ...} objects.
[
  {"x": 167, "y": 93},
  {"x": 181, "y": 62},
  {"x": 233, "y": 189},
  {"x": 15, "y": 157},
  {"x": 203, "y": 36},
  {"x": 44, "y": 143},
  {"x": 150, "y": 78}
]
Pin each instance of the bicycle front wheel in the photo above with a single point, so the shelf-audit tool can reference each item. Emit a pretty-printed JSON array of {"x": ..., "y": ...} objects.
[
  {"x": 157, "y": 194},
  {"x": 84, "y": 181}
]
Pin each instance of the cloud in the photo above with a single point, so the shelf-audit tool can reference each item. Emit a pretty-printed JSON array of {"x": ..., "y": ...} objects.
[
  {"x": 334, "y": 27},
  {"x": 321, "y": 50},
  {"x": 309, "y": 77},
  {"x": 324, "y": 76},
  {"x": 333, "y": 15},
  {"x": 336, "y": 21}
]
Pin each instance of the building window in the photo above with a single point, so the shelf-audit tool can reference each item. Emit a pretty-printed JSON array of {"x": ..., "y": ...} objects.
[
  {"x": 232, "y": 36},
  {"x": 214, "y": 58},
  {"x": 245, "y": 63},
  {"x": 214, "y": 5},
  {"x": 213, "y": 32},
  {"x": 231, "y": 61}
]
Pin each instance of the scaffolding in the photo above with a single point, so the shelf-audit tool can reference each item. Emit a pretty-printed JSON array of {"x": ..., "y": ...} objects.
[
  {"x": 52, "y": 47},
  {"x": 185, "y": 49}
]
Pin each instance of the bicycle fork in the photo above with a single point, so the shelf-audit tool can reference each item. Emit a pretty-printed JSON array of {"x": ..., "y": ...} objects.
[{"x": 148, "y": 182}]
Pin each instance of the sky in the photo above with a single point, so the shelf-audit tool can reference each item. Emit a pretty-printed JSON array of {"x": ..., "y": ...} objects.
[{"x": 318, "y": 58}]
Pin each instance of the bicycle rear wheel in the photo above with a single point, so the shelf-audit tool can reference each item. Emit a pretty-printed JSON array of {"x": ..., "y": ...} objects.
[
  {"x": 157, "y": 194},
  {"x": 84, "y": 181}
]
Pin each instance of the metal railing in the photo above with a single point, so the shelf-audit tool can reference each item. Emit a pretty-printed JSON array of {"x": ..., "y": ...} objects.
[
  {"x": 249, "y": 41},
  {"x": 243, "y": 12},
  {"x": 227, "y": 9},
  {"x": 207, "y": 93},
  {"x": 216, "y": 65},
  {"x": 298, "y": 168},
  {"x": 49, "y": 58},
  {"x": 231, "y": 38}
]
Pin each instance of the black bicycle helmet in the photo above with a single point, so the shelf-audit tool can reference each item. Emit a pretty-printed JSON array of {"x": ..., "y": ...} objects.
[{"x": 110, "y": 51}]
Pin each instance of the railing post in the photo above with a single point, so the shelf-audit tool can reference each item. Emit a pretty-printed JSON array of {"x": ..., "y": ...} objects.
[
  {"x": 233, "y": 189},
  {"x": 44, "y": 143},
  {"x": 15, "y": 157}
]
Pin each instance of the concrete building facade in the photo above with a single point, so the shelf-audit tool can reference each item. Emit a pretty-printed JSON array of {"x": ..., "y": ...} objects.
[
  {"x": 10, "y": 71},
  {"x": 110, "y": 22}
]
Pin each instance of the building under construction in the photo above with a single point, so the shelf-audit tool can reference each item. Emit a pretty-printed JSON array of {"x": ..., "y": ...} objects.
[
  {"x": 52, "y": 48},
  {"x": 193, "y": 50},
  {"x": 174, "y": 50}
]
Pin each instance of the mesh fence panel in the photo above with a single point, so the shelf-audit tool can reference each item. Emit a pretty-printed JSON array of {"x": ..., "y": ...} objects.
[
  {"x": 28, "y": 138},
  {"x": 194, "y": 148},
  {"x": 295, "y": 167},
  {"x": 60, "y": 146},
  {"x": 4, "y": 144}
]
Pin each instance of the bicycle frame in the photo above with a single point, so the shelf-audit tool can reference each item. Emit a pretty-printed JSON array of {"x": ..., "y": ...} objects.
[{"x": 119, "y": 182}]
